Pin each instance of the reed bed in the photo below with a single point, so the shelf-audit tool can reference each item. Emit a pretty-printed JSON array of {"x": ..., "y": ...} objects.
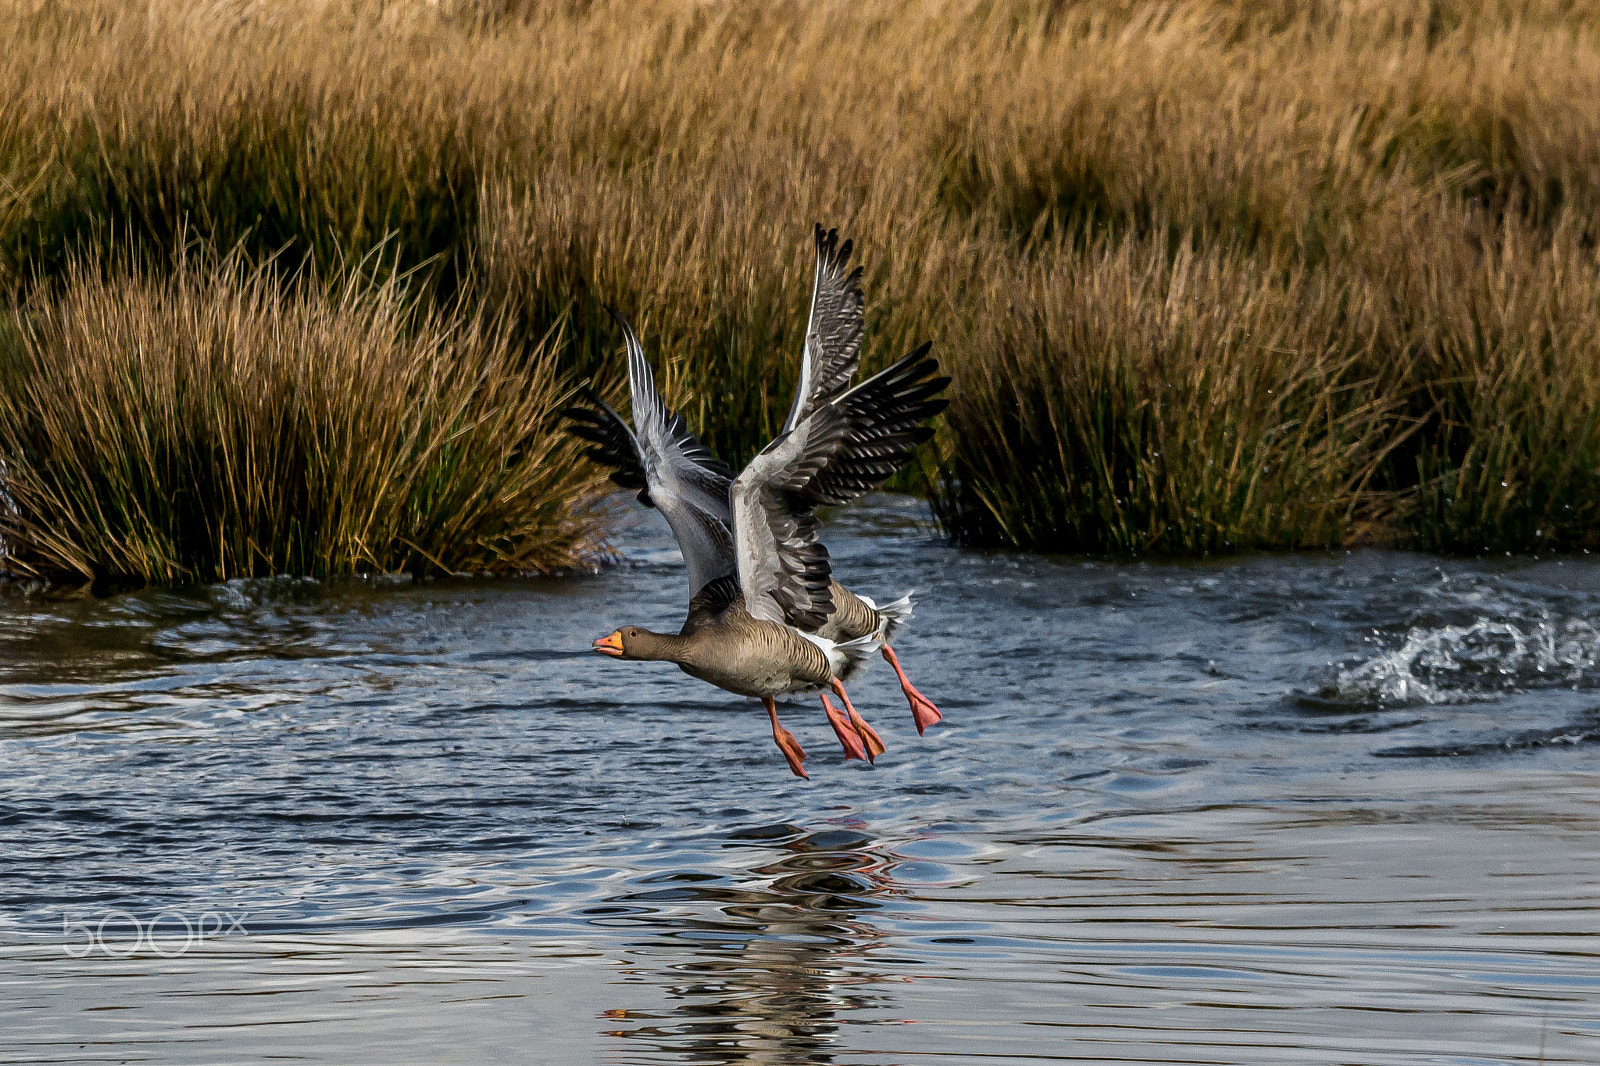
[
  {"x": 1210, "y": 275},
  {"x": 217, "y": 423},
  {"x": 1179, "y": 403}
]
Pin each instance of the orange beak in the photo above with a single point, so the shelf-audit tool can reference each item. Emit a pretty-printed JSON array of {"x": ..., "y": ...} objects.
[{"x": 611, "y": 645}]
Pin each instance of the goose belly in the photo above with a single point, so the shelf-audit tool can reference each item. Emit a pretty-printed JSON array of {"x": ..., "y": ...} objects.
[
  {"x": 761, "y": 668},
  {"x": 759, "y": 681}
]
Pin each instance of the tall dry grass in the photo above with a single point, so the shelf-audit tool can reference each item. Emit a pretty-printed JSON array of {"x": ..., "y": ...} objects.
[
  {"x": 220, "y": 422},
  {"x": 1499, "y": 323},
  {"x": 1210, "y": 274},
  {"x": 1140, "y": 400}
]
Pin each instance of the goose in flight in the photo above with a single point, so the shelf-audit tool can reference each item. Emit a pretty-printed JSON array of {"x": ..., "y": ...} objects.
[
  {"x": 829, "y": 361},
  {"x": 761, "y": 587}
]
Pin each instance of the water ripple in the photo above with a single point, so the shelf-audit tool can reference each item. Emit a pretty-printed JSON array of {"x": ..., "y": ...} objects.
[{"x": 1332, "y": 807}]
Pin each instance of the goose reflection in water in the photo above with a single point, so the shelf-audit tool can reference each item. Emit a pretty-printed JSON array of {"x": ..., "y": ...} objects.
[{"x": 765, "y": 972}]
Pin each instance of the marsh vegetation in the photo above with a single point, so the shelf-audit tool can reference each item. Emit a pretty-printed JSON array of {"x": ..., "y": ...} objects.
[{"x": 1209, "y": 275}]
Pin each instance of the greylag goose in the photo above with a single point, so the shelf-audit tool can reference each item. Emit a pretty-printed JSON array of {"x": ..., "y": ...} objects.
[
  {"x": 829, "y": 361},
  {"x": 759, "y": 577}
]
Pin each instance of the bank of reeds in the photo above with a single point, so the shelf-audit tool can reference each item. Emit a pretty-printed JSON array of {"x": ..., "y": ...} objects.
[
  {"x": 222, "y": 422},
  {"x": 1209, "y": 274},
  {"x": 1499, "y": 323},
  {"x": 1140, "y": 400}
]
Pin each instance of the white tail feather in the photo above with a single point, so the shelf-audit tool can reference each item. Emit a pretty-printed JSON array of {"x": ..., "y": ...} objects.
[
  {"x": 859, "y": 650},
  {"x": 846, "y": 657},
  {"x": 891, "y": 616},
  {"x": 894, "y": 614}
]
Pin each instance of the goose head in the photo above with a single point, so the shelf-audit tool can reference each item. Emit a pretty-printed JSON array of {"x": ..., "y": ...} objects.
[{"x": 633, "y": 642}]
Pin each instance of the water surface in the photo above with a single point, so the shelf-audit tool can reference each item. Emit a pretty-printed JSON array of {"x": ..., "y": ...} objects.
[{"x": 1314, "y": 809}]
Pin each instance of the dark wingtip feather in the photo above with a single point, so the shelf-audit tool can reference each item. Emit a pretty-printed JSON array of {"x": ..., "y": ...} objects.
[
  {"x": 619, "y": 318},
  {"x": 612, "y": 445},
  {"x": 833, "y": 255},
  {"x": 882, "y": 423}
]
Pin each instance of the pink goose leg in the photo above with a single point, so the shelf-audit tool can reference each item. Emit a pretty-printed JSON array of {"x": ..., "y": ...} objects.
[
  {"x": 790, "y": 747},
  {"x": 922, "y": 709},
  {"x": 867, "y": 734},
  {"x": 849, "y": 739}
]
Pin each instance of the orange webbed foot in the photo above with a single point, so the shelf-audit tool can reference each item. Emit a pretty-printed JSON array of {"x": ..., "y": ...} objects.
[
  {"x": 869, "y": 736},
  {"x": 923, "y": 712},
  {"x": 849, "y": 739},
  {"x": 792, "y": 751}
]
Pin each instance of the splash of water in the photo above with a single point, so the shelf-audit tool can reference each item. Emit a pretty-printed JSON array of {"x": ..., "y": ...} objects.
[{"x": 1471, "y": 663}]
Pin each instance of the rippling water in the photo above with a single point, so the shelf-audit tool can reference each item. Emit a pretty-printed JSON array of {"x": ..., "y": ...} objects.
[{"x": 1313, "y": 809}]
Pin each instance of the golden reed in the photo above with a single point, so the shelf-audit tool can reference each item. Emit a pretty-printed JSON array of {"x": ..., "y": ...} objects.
[{"x": 1209, "y": 275}]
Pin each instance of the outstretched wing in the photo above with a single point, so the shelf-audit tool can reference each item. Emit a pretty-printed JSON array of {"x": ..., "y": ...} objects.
[
  {"x": 847, "y": 446},
  {"x": 783, "y": 568},
  {"x": 678, "y": 475},
  {"x": 613, "y": 442},
  {"x": 833, "y": 331}
]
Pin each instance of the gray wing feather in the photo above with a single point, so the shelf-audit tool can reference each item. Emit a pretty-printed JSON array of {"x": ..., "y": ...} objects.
[
  {"x": 847, "y": 446},
  {"x": 784, "y": 574},
  {"x": 833, "y": 330},
  {"x": 686, "y": 482}
]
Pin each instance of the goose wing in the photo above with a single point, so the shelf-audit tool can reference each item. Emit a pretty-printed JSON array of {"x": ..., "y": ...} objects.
[
  {"x": 847, "y": 446},
  {"x": 676, "y": 473},
  {"x": 833, "y": 331},
  {"x": 612, "y": 442}
]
